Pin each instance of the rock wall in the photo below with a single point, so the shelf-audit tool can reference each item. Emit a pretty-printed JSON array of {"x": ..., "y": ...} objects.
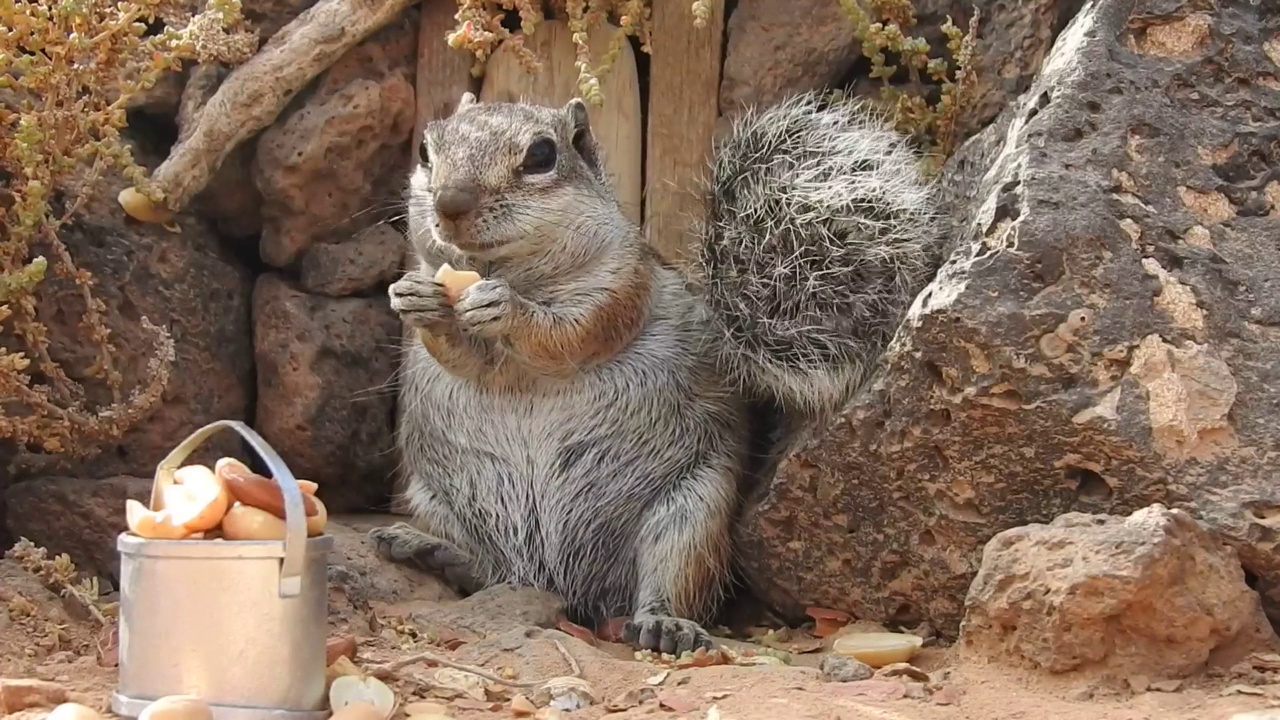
[
  {"x": 275, "y": 291},
  {"x": 272, "y": 285},
  {"x": 1102, "y": 337}
]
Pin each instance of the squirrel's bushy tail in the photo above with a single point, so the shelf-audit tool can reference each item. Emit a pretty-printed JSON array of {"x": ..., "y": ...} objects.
[{"x": 821, "y": 230}]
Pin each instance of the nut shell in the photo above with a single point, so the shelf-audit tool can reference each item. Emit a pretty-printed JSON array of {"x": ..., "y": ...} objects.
[
  {"x": 246, "y": 522},
  {"x": 151, "y": 524},
  {"x": 253, "y": 489},
  {"x": 177, "y": 707}
]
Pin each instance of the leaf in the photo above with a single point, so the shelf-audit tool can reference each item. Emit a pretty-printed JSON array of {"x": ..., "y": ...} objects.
[
  {"x": 576, "y": 630},
  {"x": 658, "y": 679}
]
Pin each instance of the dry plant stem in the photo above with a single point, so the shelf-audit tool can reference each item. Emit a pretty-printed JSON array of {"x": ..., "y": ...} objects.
[
  {"x": 253, "y": 95},
  {"x": 383, "y": 672}
]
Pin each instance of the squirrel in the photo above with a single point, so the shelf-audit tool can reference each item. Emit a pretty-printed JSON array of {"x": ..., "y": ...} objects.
[{"x": 586, "y": 418}]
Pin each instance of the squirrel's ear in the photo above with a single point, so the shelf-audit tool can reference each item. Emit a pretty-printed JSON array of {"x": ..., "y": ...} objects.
[
  {"x": 583, "y": 141},
  {"x": 467, "y": 100}
]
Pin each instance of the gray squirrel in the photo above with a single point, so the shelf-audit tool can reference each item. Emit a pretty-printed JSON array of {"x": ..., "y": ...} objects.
[{"x": 585, "y": 417}]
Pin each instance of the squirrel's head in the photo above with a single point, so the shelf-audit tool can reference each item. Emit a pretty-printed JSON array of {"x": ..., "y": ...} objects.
[{"x": 505, "y": 180}]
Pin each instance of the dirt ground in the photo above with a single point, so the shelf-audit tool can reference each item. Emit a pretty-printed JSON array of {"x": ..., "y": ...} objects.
[{"x": 510, "y": 633}]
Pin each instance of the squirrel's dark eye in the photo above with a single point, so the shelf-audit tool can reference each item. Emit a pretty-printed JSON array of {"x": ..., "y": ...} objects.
[
  {"x": 424, "y": 156},
  {"x": 539, "y": 158}
]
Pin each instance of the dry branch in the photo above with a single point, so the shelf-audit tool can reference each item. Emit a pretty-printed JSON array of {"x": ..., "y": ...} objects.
[{"x": 254, "y": 93}]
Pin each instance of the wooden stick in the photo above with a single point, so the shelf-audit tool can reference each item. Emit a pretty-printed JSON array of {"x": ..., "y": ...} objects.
[
  {"x": 253, "y": 95},
  {"x": 684, "y": 92}
]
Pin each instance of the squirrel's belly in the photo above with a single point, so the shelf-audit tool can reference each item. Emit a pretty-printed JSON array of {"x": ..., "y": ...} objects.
[{"x": 549, "y": 488}]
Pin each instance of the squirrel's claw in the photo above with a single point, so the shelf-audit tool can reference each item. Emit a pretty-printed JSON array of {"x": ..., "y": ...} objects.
[
  {"x": 486, "y": 307},
  {"x": 670, "y": 635},
  {"x": 420, "y": 301}
]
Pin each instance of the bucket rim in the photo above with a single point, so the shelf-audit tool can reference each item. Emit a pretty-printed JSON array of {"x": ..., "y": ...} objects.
[{"x": 219, "y": 548}]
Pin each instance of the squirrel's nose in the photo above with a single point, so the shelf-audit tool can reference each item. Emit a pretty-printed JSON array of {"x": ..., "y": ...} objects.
[{"x": 454, "y": 201}]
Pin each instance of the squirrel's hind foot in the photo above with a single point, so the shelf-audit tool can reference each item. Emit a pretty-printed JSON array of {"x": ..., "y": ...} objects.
[
  {"x": 407, "y": 545},
  {"x": 665, "y": 634}
]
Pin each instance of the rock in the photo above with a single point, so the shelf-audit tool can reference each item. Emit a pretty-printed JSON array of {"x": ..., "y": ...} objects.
[
  {"x": 79, "y": 517},
  {"x": 17, "y": 694},
  {"x": 842, "y": 668},
  {"x": 328, "y": 166},
  {"x": 162, "y": 98},
  {"x": 183, "y": 281},
  {"x": 774, "y": 49},
  {"x": 1103, "y": 336},
  {"x": 372, "y": 258},
  {"x": 325, "y": 403},
  {"x": 1150, "y": 594},
  {"x": 268, "y": 16},
  {"x": 1013, "y": 40}
]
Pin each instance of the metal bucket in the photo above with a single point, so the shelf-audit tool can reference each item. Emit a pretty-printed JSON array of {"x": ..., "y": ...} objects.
[{"x": 241, "y": 624}]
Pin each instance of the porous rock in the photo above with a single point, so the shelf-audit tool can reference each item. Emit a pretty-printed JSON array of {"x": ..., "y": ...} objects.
[
  {"x": 325, "y": 372},
  {"x": 842, "y": 668},
  {"x": 370, "y": 259},
  {"x": 1102, "y": 337},
  {"x": 1149, "y": 594},
  {"x": 338, "y": 159},
  {"x": 77, "y": 516},
  {"x": 774, "y": 49},
  {"x": 180, "y": 279}
]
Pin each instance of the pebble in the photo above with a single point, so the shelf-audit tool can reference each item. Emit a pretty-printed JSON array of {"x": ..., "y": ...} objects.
[{"x": 842, "y": 668}]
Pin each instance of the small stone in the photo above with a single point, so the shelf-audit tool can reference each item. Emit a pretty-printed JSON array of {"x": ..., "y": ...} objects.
[
  {"x": 915, "y": 691},
  {"x": 522, "y": 706},
  {"x": 1138, "y": 683},
  {"x": 18, "y": 694},
  {"x": 1166, "y": 686},
  {"x": 842, "y": 668}
]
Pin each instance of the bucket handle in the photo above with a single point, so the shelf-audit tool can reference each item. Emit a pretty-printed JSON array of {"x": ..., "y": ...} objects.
[{"x": 295, "y": 536}]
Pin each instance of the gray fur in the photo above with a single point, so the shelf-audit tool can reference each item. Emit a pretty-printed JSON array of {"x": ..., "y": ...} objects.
[
  {"x": 820, "y": 233},
  {"x": 612, "y": 481}
]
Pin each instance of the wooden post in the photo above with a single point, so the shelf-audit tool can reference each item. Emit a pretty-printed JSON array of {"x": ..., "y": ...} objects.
[
  {"x": 443, "y": 74},
  {"x": 684, "y": 92},
  {"x": 617, "y": 125}
]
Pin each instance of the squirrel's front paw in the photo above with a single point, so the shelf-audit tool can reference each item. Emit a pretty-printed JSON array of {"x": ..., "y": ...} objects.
[
  {"x": 420, "y": 301},
  {"x": 486, "y": 308}
]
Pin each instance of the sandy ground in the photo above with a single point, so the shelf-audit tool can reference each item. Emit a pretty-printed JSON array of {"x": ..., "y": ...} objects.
[{"x": 509, "y": 634}]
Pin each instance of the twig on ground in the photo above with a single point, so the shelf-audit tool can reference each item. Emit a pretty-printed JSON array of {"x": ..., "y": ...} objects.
[{"x": 383, "y": 672}]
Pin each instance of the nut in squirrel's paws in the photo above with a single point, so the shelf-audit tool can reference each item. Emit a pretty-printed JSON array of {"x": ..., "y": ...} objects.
[
  {"x": 665, "y": 634},
  {"x": 420, "y": 301},
  {"x": 486, "y": 307}
]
